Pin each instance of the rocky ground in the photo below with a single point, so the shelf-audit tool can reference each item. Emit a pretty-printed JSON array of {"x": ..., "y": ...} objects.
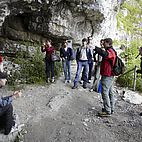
[{"x": 56, "y": 113}]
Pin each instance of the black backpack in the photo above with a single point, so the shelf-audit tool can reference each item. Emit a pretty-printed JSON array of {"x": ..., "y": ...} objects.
[{"x": 118, "y": 68}]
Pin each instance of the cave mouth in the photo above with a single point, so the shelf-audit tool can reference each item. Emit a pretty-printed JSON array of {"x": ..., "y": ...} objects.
[
  {"x": 20, "y": 27},
  {"x": 17, "y": 22}
]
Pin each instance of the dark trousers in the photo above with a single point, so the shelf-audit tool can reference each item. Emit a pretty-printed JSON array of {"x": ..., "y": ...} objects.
[
  {"x": 49, "y": 68},
  {"x": 6, "y": 118}
]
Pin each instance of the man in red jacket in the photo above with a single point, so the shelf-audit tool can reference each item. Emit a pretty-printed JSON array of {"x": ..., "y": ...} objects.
[{"x": 108, "y": 60}]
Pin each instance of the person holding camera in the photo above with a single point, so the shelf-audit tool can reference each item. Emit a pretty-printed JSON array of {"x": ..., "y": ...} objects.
[
  {"x": 66, "y": 54},
  {"x": 108, "y": 60},
  {"x": 97, "y": 76},
  {"x": 6, "y": 112},
  {"x": 49, "y": 49}
]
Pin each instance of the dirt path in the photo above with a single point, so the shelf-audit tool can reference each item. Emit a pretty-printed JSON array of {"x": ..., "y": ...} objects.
[{"x": 56, "y": 113}]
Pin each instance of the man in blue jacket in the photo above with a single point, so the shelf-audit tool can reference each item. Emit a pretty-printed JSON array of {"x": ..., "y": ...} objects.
[{"x": 66, "y": 54}]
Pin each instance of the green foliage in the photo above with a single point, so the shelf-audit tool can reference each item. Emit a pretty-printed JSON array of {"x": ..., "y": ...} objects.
[
  {"x": 132, "y": 20},
  {"x": 129, "y": 19},
  {"x": 130, "y": 55},
  {"x": 31, "y": 68}
]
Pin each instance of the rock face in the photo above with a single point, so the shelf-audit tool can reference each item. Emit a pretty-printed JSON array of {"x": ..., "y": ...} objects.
[{"x": 34, "y": 20}]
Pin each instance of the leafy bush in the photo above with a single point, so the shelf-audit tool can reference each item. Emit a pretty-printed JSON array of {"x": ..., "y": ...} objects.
[
  {"x": 127, "y": 79},
  {"x": 129, "y": 19},
  {"x": 31, "y": 68}
]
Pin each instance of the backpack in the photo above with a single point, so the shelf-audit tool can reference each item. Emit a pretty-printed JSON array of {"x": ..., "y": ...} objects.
[{"x": 118, "y": 68}]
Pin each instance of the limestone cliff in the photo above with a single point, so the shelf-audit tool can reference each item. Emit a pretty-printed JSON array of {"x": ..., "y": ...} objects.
[{"x": 34, "y": 20}]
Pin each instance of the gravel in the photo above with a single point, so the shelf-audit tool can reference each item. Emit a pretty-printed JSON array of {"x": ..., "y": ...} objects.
[{"x": 57, "y": 113}]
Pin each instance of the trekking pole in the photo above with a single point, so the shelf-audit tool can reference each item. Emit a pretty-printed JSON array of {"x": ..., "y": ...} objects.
[
  {"x": 135, "y": 78},
  {"x": 128, "y": 71}
]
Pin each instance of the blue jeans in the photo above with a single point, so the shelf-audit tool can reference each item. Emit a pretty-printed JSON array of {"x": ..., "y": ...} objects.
[
  {"x": 107, "y": 93},
  {"x": 89, "y": 72},
  {"x": 49, "y": 68},
  {"x": 85, "y": 66},
  {"x": 67, "y": 69}
]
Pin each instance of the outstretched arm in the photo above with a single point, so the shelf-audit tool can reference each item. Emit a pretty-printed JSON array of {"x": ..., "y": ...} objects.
[
  {"x": 101, "y": 52},
  {"x": 8, "y": 100}
]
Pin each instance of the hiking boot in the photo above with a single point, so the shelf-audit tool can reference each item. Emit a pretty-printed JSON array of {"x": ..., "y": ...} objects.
[
  {"x": 84, "y": 86},
  {"x": 103, "y": 110},
  {"x": 104, "y": 114},
  {"x": 74, "y": 87}
]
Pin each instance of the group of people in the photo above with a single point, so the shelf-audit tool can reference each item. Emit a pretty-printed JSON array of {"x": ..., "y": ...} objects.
[
  {"x": 106, "y": 56},
  {"x": 86, "y": 55}
]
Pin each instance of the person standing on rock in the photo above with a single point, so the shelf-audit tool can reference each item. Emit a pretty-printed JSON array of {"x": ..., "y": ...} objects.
[
  {"x": 82, "y": 56},
  {"x": 66, "y": 54},
  {"x": 6, "y": 112},
  {"x": 49, "y": 49},
  {"x": 108, "y": 60}
]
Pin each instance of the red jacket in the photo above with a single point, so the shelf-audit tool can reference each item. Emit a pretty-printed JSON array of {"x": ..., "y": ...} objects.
[
  {"x": 0, "y": 59},
  {"x": 107, "y": 63},
  {"x": 48, "y": 50},
  {"x": 108, "y": 60}
]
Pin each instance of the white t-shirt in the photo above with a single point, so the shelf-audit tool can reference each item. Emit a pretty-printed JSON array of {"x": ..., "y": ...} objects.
[
  {"x": 83, "y": 54},
  {"x": 66, "y": 48}
]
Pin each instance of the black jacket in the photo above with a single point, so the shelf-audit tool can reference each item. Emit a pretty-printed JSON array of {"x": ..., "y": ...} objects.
[
  {"x": 88, "y": 51},
  {"x": 66, "y": 54}
]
